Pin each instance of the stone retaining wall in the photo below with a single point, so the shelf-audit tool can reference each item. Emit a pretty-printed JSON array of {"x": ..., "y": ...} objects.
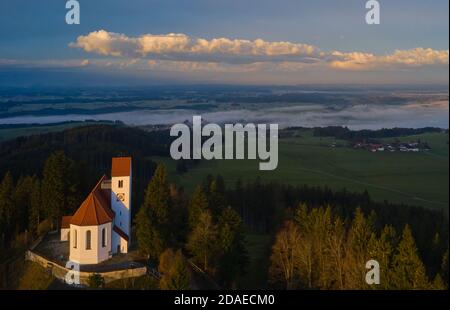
[{"x": 60, "y": 272}]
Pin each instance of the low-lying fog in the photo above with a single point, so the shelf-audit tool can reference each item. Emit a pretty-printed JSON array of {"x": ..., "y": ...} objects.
[{"x": 369, "y": 116}]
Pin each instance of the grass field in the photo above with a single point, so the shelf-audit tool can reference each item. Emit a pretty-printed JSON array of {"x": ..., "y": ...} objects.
[{"x": 412, "y": 178}]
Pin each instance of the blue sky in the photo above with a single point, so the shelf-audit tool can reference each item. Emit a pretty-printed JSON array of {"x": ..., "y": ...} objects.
[{"x": 34, "y": 37}]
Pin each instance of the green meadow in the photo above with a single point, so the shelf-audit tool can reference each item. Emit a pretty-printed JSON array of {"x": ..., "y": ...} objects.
[{"x": 412, "y": 178}]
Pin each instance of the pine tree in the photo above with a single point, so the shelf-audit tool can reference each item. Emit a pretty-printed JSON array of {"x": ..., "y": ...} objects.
[
  {"x": 175, "y": 274},
  {"x": 59, "y": 188},
  {"x": 408, "y": 269},
  {"x": 382, "y": 250},
  {"x": 197, "y": 205},
  {"x": 238, "y": 198},
  {"x": 233, "y": 255},
  {"x": 152, "y": 220},
  {"x": 179, "y": 215},
  {"x": 202, "y": 241},
  {"x": 148, "y": 238},
  {"x": 35, "y": 210},
  {"x": 166, "y": 260},
  {"x": 6, "y": 209},
  {"x": 301, "y": 217},
  {"x": 216, "y": 196},
  {"x": 359, "y": 235},
  {"x": 157, "y": 199},
  {"x": 22, "y": 201},
  {"x": 360, "y": 232}
]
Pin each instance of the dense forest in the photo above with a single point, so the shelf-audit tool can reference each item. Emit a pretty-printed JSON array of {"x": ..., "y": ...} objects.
[
  {"x": 91, "y": 149},
  {"x": 321, "y": 238}
]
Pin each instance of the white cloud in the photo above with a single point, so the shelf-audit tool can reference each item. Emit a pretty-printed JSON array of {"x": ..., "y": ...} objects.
[
  {"x": 184, "y": 48},
  {"x": 179, "y": 52},
  {"x": 400, "y": 58}
]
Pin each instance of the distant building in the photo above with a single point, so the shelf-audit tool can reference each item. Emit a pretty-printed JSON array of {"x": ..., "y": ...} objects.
[
  {"x": 390, "y": 148},
  {"x": 101, "y": 225},
  {"x": 402, "y": 147},
  {"x": 376, "y": 147}
]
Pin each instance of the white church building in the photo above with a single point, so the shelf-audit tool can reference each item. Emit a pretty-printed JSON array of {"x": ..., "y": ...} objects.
[{"x": 102, "y": 224}]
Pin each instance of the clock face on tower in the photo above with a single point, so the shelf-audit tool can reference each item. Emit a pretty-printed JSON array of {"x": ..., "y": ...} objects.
[{"x": 120, "y": 197}]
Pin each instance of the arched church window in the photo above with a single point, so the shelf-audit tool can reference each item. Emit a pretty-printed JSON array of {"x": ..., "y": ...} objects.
[
  {"x": 104, "y": 237},
  {"x": 88, "y": 240}
]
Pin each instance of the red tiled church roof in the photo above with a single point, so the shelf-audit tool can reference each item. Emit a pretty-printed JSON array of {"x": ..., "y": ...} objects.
[
  {"x": 121, "y": 166},
  {"x": 65, "y": 221},
  {"x": 95, "y": 208}
]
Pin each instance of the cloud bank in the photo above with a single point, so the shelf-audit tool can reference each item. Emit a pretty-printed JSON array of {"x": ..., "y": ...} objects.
[
  {"x": 182, "y": 52},
  {"x": 44, "y": 63},
  {"x": 182, "y": 47},
  {"x": 400, "y": 58}
]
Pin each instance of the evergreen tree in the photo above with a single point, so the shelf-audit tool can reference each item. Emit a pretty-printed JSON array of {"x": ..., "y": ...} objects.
[
  {"x": 175, "y": 274},
  {"x": 197, "y": 205},
  {"x": 157, "y": 200},
  {"x": 202, "y": 241},
  {"x": 148, "y": 237},
  {"x": 166, "y": 261},
  {"x": 359, "y": 235},
  {"x": 238, "y": 198},
  {"x": 22, "y": 201},
  {"x": 152, "y": 220},
  {"x": 408, "y": 269},
  {"x": 216, "y": 198},
  {"x": 382, "y": 250},
  {"x": 59, "y": 187},
  {"x": 35, "y": 210},
  {"x": 233, "y": 255},
  {"x": 179, "y": 216},
  {"x": 6, "y": 209}
]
